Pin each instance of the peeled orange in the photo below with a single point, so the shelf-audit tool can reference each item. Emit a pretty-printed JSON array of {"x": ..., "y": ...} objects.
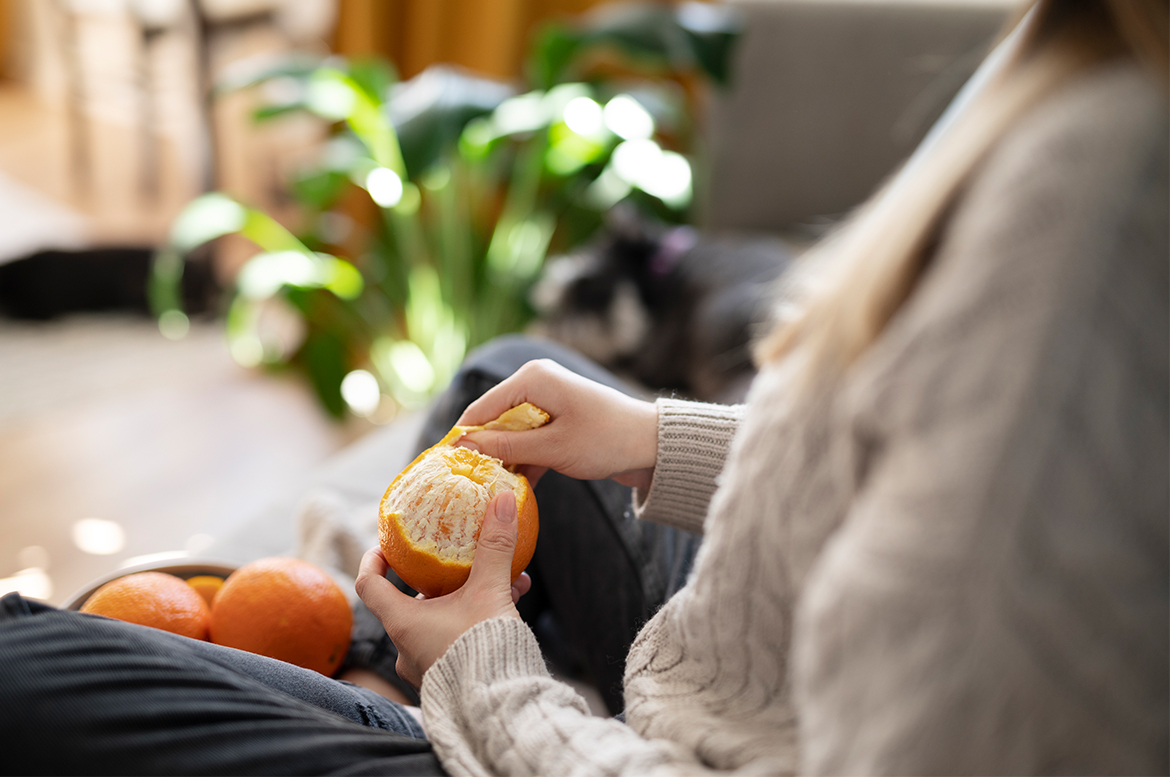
[
  {"x": 287, "y": 609},
  {"x": 431, "y": 515},
  {"x": 152, "y": 599}
]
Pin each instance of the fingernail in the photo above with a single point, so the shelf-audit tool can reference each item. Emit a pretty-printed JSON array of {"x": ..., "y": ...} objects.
[{"x": 506, "y": 507}]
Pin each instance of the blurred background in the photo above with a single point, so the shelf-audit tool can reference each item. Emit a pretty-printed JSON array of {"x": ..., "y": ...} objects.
[{"x": 237, "y": 236}]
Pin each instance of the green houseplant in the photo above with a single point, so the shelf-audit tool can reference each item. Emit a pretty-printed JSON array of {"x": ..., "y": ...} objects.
[{"x": 474, "y": 185}]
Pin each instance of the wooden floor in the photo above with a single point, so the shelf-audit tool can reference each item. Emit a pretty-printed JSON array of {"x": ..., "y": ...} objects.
[{"x": 101, "y": 417}]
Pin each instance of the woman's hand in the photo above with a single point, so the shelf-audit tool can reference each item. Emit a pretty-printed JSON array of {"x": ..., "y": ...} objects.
[
  {"x": 595, "y": 431},
  {"x": 422, "y": 629}
]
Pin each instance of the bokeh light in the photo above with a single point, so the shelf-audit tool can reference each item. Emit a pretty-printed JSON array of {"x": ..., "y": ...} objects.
[
  {"x": 584, "y": 116},
  {"x": 361, "y": 392},
  {"x": 174, "y": 324},
  {"x": 411, "y": 200},
  {"x": 663, "y": 174},
  {"x": 626, "y": 118},
  {"x": 384, "y": 186},
  {"x": 264, "y": 274},
  {"x": 98, "y": 537},
  {"x": 33, "y": 556},
  {"x": 247, "y": 350},
  {"x": 411, "y": 366},
  {"x": 524, "y": 113},
  {"x": 33, "y": 583},
  {"x": 329, "y": 97}
]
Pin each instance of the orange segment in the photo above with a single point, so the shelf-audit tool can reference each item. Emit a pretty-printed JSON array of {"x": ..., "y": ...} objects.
[{"x": 430, "y": 516}]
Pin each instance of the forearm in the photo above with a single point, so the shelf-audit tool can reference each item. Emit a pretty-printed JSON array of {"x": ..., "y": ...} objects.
[
  {"x": 693, "y": 440},
  {"x": 491, "y": 707}
]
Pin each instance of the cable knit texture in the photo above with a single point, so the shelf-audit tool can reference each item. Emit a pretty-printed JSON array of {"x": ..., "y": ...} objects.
[{"x": 956, "y": 560}]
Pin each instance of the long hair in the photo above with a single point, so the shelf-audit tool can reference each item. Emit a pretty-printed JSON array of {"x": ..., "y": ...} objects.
[{"x": 868, "y": 269}]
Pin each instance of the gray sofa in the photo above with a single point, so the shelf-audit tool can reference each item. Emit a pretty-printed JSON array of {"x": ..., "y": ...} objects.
[{"x": 829, "y": 96}]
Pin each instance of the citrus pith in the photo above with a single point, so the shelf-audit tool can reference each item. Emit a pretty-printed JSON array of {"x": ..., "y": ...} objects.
[{"x": 431, "y": 515}]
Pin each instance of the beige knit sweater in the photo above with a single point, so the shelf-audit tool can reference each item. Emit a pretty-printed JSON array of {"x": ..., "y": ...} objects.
[{"x": 956, "y": 561}]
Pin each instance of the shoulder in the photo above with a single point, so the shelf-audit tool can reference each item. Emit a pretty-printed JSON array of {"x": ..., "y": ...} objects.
[
  {"x": 1110, "y": 102},
  {"x": 1055, "y": 252},
  {"x": 1077, "y": 160},
  {"x": 1068, "y": 203}
]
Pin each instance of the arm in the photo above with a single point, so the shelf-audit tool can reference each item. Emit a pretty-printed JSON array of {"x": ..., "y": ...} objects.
[
  {"x": 670, "y": 451},
  {"x": 693, "y": 440},
  {"x": 492, "y": 708},
  {"x": 489, "y": 704}
]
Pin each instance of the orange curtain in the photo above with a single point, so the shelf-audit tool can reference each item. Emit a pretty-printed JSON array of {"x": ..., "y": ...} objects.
[
  {"x": 5, "y": 38},
  {"x": 488, "y": 36}
]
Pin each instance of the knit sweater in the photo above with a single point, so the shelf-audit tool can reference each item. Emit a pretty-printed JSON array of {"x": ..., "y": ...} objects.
[{"x": 955, "y": 560}]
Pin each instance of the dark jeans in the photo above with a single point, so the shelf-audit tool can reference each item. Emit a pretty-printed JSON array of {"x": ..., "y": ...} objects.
[
  {"x": 86, "y": 695},
  {"x": 81, "y": 694}
]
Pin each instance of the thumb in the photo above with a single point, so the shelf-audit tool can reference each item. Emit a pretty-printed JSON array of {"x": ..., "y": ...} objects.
[
  {"x": 378, "y": 593},
  {"x": 528, "y": 447},
  {"x": 497, "y": 544},
  {"x": 516, "y": 449}
]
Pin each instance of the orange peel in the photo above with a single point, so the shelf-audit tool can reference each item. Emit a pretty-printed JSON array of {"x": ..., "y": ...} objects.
[{"x": 430, "y": 517}]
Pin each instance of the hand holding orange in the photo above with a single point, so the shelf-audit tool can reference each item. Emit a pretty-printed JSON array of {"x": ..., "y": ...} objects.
[
  {"x": 431, "y": 515},
  {"x": 423, "y": 629}
]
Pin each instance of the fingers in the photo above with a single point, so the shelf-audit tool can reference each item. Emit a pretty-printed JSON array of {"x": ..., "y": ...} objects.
[
  {"x": 497, "y": 544},
  {"x": 532, "y": 473},
  {"x": 533, "y": 383},
  {"x": 504, "y": 396},
  {"x": 521, "y": 586},
  {"x": 379, "y": 594},
  {"x": 531, "y": 453},
  {"x": 535, "y": 446}
]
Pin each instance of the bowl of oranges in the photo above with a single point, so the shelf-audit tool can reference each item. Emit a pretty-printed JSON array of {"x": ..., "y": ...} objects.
[{"x": 283, "y": 608}]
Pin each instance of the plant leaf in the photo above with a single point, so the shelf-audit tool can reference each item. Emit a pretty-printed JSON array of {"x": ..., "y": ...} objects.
[
  {"x": 323, "y": 355},
  {"x": 256, "y": 70},
  {"x": 655, "y": 35},
  {"x": 373, "y": 76},
  {"x": 430, "y": 111}
]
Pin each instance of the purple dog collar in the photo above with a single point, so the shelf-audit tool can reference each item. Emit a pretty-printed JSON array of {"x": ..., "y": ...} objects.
[{"x": 672, "y": 248}]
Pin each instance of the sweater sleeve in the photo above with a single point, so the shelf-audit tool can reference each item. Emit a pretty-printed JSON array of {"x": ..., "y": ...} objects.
[
  {"x": 693, "y": 439},
  {"x": 490, "y": 707}
]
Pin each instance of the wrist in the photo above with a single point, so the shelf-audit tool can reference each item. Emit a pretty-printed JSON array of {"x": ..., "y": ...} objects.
[
  {"x": 644, "y": 454},
  {"x": 636, "y": 478}
]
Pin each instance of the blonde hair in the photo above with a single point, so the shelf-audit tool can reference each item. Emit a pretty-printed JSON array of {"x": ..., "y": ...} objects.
[{"x": 871, "y": 266}]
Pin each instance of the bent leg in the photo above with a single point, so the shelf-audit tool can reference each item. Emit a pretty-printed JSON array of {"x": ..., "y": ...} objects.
[{"x": 81, "y": 694}]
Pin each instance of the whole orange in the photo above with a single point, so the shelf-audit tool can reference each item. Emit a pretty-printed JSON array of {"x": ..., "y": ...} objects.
[
  {"x": 431, "y": 515},
  {"x": 287, "y": 609},
  {"x": 152, "y": 599}
]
